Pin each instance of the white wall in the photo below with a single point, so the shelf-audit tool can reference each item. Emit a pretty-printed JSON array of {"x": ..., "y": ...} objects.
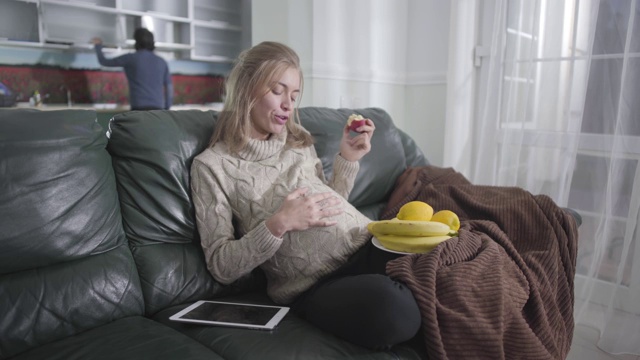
[
  {"x": 361, "y": 53},
  {"x": 427, "y": 64}
]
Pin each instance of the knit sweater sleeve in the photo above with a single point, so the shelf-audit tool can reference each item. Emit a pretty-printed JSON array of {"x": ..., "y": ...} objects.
[
  {"x": 227, "y": 258},
  {"x": 344, "y": 174}
]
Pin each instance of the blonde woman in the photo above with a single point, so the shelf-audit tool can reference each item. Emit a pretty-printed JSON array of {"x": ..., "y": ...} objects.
[{"x": 260, "y": 178}]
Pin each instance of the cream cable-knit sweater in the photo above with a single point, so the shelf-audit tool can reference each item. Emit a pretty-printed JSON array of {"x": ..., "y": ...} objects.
[{"x": 238, "y": 193}]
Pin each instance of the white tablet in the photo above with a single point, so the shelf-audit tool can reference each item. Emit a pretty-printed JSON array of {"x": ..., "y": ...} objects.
[{"x": 252, "y": 316}]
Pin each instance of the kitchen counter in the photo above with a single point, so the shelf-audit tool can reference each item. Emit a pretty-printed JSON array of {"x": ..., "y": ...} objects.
[
  {"x": 115, "y": 108},
  {"x": 104, "y": 112}
]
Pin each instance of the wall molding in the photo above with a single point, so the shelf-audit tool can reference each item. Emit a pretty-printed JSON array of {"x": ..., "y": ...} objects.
[
  {"x": 343, "y": 73},
  {"x": 424, "y": 78}
]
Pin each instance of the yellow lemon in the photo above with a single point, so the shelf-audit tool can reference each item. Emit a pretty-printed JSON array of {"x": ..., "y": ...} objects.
[
  {"x": 415, "y": 210},
  {"x": 447, "y": 217}
]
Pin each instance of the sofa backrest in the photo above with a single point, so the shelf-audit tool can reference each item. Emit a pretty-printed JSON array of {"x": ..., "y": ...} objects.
[{"x": 65, "y": 266}]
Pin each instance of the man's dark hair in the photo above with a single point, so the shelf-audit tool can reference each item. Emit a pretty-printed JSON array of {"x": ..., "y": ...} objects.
[{"x": 144, "y": 39}]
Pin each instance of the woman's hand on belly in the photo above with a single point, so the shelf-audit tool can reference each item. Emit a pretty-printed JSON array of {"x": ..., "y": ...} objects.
[{"x": 300, "y": 211}]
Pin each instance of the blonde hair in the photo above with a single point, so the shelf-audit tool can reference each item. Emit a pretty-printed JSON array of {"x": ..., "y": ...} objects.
[{"x": 254, "y": 73}]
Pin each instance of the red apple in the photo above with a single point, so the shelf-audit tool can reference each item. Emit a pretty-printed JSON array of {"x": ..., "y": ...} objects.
[{"x": 355, "y": 124}]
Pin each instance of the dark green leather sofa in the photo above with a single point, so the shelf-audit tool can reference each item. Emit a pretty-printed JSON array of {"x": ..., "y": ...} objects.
[{"x": 98, "y": 244}]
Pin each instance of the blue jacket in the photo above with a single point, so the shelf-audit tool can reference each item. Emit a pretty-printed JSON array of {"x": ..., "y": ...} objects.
[{"x": 148, "y": 75}]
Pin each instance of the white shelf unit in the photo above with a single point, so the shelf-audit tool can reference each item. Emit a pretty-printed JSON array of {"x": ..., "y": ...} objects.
[
  {"x": 205, "y": 30},
  {"x": 217, "y": 30},
  {"x": 19, "y": 22}
]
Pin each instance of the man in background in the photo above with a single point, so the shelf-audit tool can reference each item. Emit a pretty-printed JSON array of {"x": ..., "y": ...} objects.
[{"x": 150, "y": 86}]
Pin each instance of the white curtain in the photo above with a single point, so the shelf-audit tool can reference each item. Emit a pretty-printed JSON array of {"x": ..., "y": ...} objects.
[{"x": 557, "y": 112}]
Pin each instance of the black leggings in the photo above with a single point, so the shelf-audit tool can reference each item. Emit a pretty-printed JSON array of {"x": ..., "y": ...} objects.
[{"x": 360, "y": 304}]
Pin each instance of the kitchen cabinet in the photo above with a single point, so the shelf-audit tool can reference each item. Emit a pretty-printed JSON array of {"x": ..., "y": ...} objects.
[
  {"x": 19, "y": 22},
  {"x": 217, "y": 29},
  {"x": 206, "y": 30}
]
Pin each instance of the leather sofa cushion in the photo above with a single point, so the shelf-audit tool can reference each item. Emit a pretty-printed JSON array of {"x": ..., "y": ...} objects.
[
  {"x": 135, "y": 338},
  {"x": 294, "y": 338},
  {"x": 65, "y": 266},
  {"x": 58, "y": 193},
  {"x": 152, "y": 154},
  {"x": 46, "y": 304}
]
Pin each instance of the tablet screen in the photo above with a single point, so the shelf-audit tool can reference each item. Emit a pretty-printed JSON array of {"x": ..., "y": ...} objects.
[{"x": 232, "y": 314}]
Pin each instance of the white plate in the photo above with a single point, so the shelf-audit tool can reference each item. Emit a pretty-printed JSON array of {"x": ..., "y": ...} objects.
[{"x": 377, "y": 244}]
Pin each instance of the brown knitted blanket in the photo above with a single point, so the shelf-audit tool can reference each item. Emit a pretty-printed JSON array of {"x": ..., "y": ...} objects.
[{"x": 502, "y": 289}]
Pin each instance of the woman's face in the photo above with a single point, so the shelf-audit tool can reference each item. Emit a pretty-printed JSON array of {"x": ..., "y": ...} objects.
[{"x": 273, "y": 110}]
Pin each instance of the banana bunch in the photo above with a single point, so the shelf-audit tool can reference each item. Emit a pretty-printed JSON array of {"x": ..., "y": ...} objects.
[
  {"x": 410, "y": 235},
  {"x": 416, "y": 229}
]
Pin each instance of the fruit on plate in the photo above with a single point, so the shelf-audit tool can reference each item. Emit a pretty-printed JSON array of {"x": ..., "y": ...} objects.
[
  {"x": 411, "y": 244},
  {"x": 408, "y": 228},
  {"x": 447, "y": 217},
  {"x": 415, "y": 229},
  {"x": 415, "y": 210},
  {"x": 412, "y": 236},
  {"x": 355, "y": 121}
]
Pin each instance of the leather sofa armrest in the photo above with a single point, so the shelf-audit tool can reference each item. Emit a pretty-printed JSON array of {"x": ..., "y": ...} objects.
[
  {"x": 413, "y": 155},
  {"x": 575, "y": 215}
]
